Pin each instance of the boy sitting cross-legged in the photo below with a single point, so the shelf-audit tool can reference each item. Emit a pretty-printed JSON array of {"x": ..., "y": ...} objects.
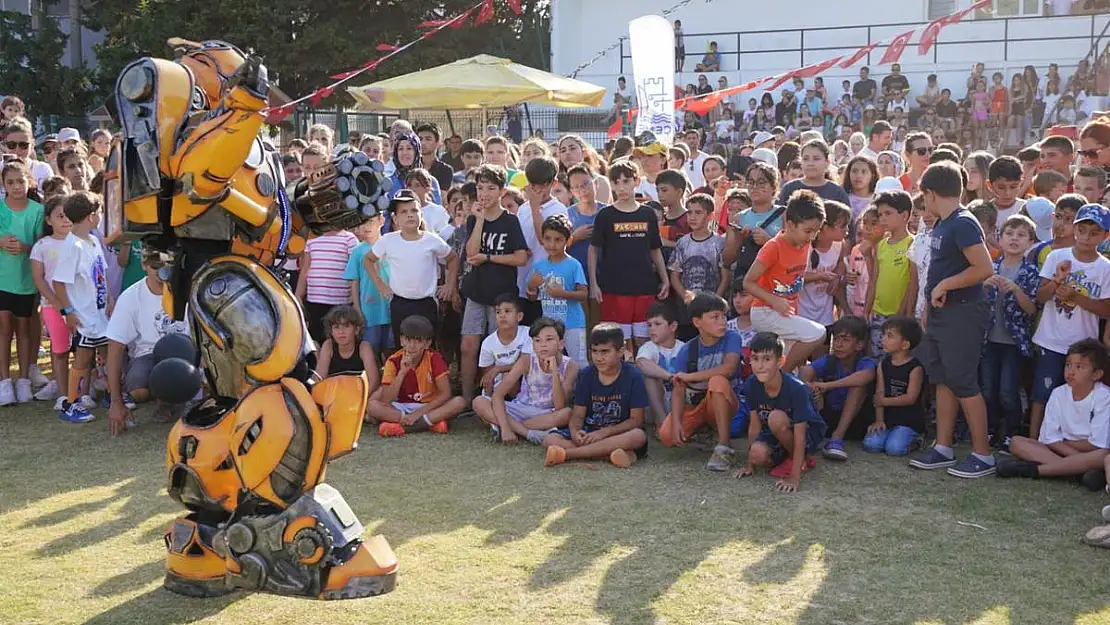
[
  {"x": 708, "y": 381},
  {"x": 840, "y": 382},
  {"x": 900, "y": 379},
  {"x": 546, "y": 381},
  {"x": 1075, "y": 434},
  {"x": 658, "y": 360},
  {"x": 607, "y": 420},
  {"x": 415, "y": 394},
  {"x": 785, "y": 429}
]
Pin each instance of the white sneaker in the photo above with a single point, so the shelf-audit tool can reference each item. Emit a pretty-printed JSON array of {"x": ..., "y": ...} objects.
[
  {"x": 7, "y": 393},
  {"x": 23, "y": 392},
  {"x": 87, "y": 402},
  {"x": 48, "y": 392},
  {"x": 60, "y": 403},
  {"x": 37, "y": 378}
]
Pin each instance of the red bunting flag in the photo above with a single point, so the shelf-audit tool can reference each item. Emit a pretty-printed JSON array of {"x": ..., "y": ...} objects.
[
  {"x": 932, "y": 30},
  {"x": 895, "y": 48},
  {"x": 322, "y": 93},
  {"x": 386, "y": 47},
  {"x": 371, "y": 64},
  {"x": 277, "y": 115},
  {"x": 460, "y": 21},
  {"x": 515, "y": 6},
  {"x": 816, "y": 69},
  {"x": 859, "y": 54},
  {"x": 486, "y": 14},
  {"x": 433, "y": 24},
  {"x": 346, "y": 75}
]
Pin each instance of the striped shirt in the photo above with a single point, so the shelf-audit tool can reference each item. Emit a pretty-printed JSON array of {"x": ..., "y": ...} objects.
[{"x": 328, "y": 256}]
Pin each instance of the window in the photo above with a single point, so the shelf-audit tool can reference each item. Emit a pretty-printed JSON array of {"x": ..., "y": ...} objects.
[
  {"x": 940, "y": 8},
  {"x": 1012, "y": 8}
]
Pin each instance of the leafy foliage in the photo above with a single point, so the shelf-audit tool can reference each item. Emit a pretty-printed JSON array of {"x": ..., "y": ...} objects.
[{"x": 31, "y": 68}]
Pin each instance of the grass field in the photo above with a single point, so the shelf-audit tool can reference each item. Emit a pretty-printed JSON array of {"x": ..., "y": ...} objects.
[{"x": 487, "y": 536}]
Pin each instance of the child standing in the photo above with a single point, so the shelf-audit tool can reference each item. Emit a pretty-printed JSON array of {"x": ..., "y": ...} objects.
[
  {"x": 784, "y": 429},
  {"x": 920, "y": 253},
  {"x": 892, "y": 265},
  {"x": 815, "y": 165},
  {"x": 861, "y": 263},
  {"x": 321, "y": 285},
  {"x": 345, "y": 351},
  {"x": 825, "y": 267},
  {"x": 658, "y": 360},
  {"x": 1004, "y": 180},
  {"x": 708, "y": 381},
  {"x": 900, "y": 380},
  {"x": 697, "y": 261},
  {"x": 44, "y": 258},
  {"x": 607, "y": 419},
  {"x": 21, "y": 221},
  {"x": 415, "y": 394},
  {"x": 1012, "y": 297},
  {"x": 840, "y": 382},
  {"x": 81, "y": 287},
  {"x": 1075, "y": 285},
  {"x": 776, "y": 278},
  {"x": 1063, "y": 228},
  {"x": 957, "y": 313},
  {"x": 1076, "y": 431},
  {"x": 860, "y": 177},
  {"x": 624, "y": 251},
  {"x": 544, "y": 385},
  {"x": 367, "y": 284},
  {"x": 560, "y": 284}
]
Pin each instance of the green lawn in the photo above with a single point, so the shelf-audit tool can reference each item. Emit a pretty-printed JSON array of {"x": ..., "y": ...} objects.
[{"x": 487, "y": 536}]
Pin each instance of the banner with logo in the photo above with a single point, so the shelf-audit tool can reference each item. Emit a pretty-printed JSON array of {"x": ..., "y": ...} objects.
[{"x": 652, "y": 41}]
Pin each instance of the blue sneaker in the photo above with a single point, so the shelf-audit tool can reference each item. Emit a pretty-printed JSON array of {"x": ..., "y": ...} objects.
[
  {"x": 931, "y": 460},
  {"x": 972, "y": 467},
  {"x": 834, "y": 450},
  {"x": 75, "y": 413}
]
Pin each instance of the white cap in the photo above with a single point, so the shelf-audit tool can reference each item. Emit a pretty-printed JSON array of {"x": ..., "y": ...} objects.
[
  {"x": 1041, "y": 211},
  {"x": 767, "y": 156},
  {"x": 762, "y": 137},
  {"x": 68, "y": 134},
  {"x": 889, "y": 183}
]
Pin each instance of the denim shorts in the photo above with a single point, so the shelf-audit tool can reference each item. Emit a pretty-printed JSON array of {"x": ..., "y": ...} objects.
[
  {"x": 379, "y": 337},
  {"x": 1048, "y": 373},
  {"x": 814, "y": 439}
]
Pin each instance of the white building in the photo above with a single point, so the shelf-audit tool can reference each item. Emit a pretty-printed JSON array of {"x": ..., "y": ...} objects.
[{"x": 758, "y": 39}]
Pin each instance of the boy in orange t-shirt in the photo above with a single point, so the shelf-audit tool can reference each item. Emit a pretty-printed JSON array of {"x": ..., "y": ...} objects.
[
  {"x": 415, "y": 394},
  {"x": 778, "y": 275}
]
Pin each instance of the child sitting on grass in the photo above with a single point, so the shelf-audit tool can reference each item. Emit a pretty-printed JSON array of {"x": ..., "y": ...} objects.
[
  {"x": 501, "y": 349},
  {"x": 345, "y": 351},
  {"x": 840, "y": 382},
  {"x": 1076, "y": 430},
  {"x": 708, "y": 382},
  {"x": 899, "y": 413},
  {"x": 784, "y": 429},
  {"x": 415, "y": 394},
  {"x": 607, "y": 420},
  {"x": 658, "y": 360},
  {"x": 545, "y": 379}
]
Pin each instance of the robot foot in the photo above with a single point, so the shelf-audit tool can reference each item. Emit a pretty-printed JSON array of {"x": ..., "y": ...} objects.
[
  {"x": 371, "y": 571},
  {"x": 193, "y": 568}
]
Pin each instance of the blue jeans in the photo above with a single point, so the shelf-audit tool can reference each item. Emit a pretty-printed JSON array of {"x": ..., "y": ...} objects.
[
  {"x": 379, "y": 337},
  {"x": 895, "y": 441},
  {"x": 1000, "y": 376},
  {"x": 1048, "y": 373}
]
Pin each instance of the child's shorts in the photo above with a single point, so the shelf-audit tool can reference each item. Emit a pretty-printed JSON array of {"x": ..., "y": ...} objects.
[
  {"x": 406, "y": 407},
  {"x": 478, "y": 319},
  {"x": 60, "y": 336},
  {"x": 780, "y": 453},
  {"x": 792, "y": 328},
  {"x": 19, "y": 305},
  {"x": 80, "y": 341},
  {"x": 576, "y": 346},
  {"x": 379, "y": 337},
  {"x": 137, "y": 373},
  {"x": 953, "y": 344},
  {"x": 520, "y": 412},
  {"x": 696, "y": 417},
  {"x": 628, "y": 311},
  {"x": 1048, "y": 373}
]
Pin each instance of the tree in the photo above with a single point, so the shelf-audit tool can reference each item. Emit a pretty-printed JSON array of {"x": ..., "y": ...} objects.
[
  {"x": 31, "y": 68},
  {"x": 303, "y": 42}
]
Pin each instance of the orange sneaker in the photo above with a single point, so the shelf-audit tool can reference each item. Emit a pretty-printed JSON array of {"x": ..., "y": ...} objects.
[
  {"x": 622, "y": 459},
  {"x": 555, "y": 455},
  {"x": 386, "y": 430},
  {"x": 439, "y": 427},
  {"x": 784, "y": 468}
]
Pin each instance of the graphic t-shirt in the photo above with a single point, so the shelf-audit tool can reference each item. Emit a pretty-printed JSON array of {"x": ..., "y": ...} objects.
[
  {"x": 609, "y": 404},
  {"x": 784, "y": 270},
  {"x": 667, "y": 359},
  {"x": 82, "y": 268},
  {"x": 893, "y": 268},
  {"x": 495, "y": 353},
  {"x": 949, "y": 238},
  {"x": 46, "y": 251},
  {"x": 793, "y": 398},
  {"x": 565, "y": 274},
  {"x": 627, "y": 240},
  {"x": 709, "y": 357},
  {"x": 139, "y": 320},
  {"x": 374, "y": 307},
  {"x": 698, "y": 263},
  {"x": 501, "y": 236},
  {"x": 531, "y": 238},
  {"x": 419, "y": 385},
  {"x": 25, "y": 225},
  {"x": 815, "y": 302},
  {"x": 829, "y": 368},
  {"x": 1063, "y": 324}
]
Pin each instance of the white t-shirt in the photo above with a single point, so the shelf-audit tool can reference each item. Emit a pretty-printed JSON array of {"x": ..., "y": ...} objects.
[
  {"x": 413, "y": 265},
  {"x": 535, "y": 246},
  {"x": 1064, "y": 324},
  {"x": 693, "y": 170},
  {"x": 665, "y": 358},
  {"x": 869, "y": 153},
  {"x": 815, "y": 302},
  {"x": 647, "y": 188},
  {"x": 82, "y": 268},
  {"x": 139, "y": 320},
  {"x": 1066, "y": 419},
  {"x": 1006, "y": 213},
  {"x": 435, "y": 218},
  {"x": 41, "y": 171},
  {"x": 494, "y": 352},
  {"x": 724, "y": 130},
  {"x": 47, "y": 250}
]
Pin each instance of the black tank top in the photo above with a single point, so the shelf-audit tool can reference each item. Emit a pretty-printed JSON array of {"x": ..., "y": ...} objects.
[{"x": 339, "y": 364}]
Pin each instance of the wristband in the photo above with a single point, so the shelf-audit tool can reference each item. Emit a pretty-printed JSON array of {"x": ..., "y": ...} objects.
[{"x": 65, "y": 311}]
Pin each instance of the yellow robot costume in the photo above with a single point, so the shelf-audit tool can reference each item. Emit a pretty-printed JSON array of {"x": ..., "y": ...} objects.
[{"x": 191, "y": 177}]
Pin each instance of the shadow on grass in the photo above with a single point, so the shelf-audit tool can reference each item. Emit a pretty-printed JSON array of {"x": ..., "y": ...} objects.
[{"x": 162, "y": 607}]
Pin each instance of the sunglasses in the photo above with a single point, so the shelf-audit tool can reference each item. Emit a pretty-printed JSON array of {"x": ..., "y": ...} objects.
[
  {"x": 923, "y": 151},
  {"x": 17, "y": 145},
  {"x": 1083, "y": 153}
]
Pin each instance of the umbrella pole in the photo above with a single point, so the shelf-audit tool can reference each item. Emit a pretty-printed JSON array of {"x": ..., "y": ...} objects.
[
  {"x": 450, "y": 122},
  {"x": 528, "y": 115}
]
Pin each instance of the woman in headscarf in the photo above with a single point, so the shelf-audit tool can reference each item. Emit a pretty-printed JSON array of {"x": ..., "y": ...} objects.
[{"x": 406, "y": 157}]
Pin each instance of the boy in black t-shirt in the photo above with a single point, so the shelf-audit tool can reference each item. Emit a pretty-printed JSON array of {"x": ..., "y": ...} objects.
[
  {"x": 899, "y": 414},
  {"x": 494, "y": 250},
  {"x": 630, "y": 273}
]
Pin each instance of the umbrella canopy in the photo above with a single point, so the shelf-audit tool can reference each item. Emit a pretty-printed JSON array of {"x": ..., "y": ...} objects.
[{"x": 479, "y": 82}]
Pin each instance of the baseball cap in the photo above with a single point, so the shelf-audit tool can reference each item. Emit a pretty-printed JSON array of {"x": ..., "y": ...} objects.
[
  {"x": 51, "y": 138},
  {"x": 1041, "y": 210},
  {"x": 68, "y": 134},
  {"x": 652, "y": 149},
  {"x": 762, "y": 137},
  {"x": 403, "y": 195},
  {"x": 764, "y": 155},
  {"x": 1096, "y": 213},
  {"x": 888, "y": 183}
]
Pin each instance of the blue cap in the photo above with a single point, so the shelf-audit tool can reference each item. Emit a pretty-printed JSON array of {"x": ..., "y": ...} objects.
[{"x": 1097, "y": 213}]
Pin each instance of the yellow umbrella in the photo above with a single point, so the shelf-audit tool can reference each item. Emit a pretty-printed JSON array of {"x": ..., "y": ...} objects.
[{"x": 479, "y": 82}]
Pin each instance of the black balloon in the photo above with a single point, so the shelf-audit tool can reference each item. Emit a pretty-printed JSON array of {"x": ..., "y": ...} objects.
[
  {"x": 176, "y": 346},
  {"x": 174, "y": 380}
]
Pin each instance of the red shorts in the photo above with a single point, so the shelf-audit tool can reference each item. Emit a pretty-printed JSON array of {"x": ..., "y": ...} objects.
[{"x": 625, "y": 309}]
